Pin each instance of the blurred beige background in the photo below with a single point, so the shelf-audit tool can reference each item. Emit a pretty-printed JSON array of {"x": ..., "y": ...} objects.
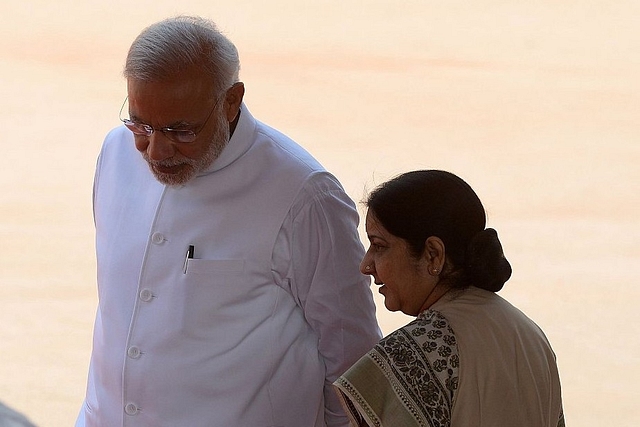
[{"x": 535, "y": 104}]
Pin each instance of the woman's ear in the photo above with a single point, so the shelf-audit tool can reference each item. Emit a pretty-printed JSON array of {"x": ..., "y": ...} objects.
[{"x": 434, "y": 254}]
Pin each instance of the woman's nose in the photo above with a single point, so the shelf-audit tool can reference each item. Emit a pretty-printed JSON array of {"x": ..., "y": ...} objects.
[{"x": 366, "y": 266}]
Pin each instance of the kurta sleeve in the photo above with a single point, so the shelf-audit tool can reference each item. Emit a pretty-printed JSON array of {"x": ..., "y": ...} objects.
[{"x": 324, "y": 277}]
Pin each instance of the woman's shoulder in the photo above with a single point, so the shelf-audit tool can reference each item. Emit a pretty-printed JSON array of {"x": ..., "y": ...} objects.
[
  {"x": 474, "y": 308},
  {"x": 428, "y": 338},
  {"x": 430, "y": 325},
  {"x": 423, "y": 355}
]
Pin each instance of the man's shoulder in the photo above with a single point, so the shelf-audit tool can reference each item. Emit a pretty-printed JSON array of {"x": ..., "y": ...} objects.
[
  {"x": 119, "y": 153},
  {"x": 286, "y": 148},
  {"x": 295, "y": 164},
  {"x": 118, "y": 139},
  {"x": 118, "y": 136}
]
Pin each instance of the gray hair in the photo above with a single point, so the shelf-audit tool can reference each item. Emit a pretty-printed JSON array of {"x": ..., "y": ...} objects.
[{"x": 166, "y": 48}]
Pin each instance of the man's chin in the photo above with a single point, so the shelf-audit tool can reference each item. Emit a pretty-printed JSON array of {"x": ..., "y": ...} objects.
[
  {"x": 179, "y": 171},
  {"x": 174, "y": 178}
]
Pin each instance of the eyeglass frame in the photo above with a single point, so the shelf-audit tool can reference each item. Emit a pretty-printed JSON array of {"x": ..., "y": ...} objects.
[{"x": 170, "y": 133}]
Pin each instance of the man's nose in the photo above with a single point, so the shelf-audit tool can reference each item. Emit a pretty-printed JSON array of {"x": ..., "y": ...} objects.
[{"x": 157, "y": 146}]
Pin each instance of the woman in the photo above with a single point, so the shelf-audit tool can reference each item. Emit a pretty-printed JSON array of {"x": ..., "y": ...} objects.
[{"x": 470, "y": 358}]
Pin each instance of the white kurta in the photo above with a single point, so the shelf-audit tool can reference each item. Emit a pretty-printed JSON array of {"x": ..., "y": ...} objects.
[{"x": 254, "y": 329}]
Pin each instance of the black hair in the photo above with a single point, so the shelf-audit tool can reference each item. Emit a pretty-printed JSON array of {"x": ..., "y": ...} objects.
[{"x": 419, "y": 204}]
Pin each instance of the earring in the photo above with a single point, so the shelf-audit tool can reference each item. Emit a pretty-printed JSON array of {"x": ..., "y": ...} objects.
[
  {"x": 367, "y": 268},
  {"x": 435, "y": 272}
]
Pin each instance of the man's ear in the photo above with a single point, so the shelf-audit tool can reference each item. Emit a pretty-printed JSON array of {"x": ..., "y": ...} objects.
[{"x": 233, "y": 100}]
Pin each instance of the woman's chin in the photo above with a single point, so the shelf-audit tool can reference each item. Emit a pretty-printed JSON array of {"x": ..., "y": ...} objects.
[{"x": 390, "y": 305}]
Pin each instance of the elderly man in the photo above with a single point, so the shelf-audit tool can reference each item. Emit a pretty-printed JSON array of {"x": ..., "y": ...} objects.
[{"x": 228, "y": 282}]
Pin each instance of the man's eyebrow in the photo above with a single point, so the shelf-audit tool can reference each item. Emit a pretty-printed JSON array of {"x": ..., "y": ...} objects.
[
  {"x": 176, "y": 125},
  {"x": 180, "y": 124},
  {"x": 134, "y": 118}
]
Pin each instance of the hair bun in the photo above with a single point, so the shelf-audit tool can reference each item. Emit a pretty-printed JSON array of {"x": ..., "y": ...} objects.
[{"x": 485, "y": 264}]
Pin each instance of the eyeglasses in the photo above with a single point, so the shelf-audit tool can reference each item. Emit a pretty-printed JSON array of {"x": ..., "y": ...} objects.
[{"x": 178, "y": 135}]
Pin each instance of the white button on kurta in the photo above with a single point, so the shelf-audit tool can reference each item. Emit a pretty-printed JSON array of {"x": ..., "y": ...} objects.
[
  {"x": 146, "y": 295},
  {"x": 131, "y": 409},
  {"x": 157, "y": 238},
  {"x": 133, "y": 352}
]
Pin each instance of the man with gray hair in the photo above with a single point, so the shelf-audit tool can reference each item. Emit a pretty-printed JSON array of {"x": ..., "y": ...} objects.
[{"x": 228, "y": 282}]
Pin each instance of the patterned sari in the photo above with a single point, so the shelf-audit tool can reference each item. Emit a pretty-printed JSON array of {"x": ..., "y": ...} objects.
[{"x": 408, "y": 379}]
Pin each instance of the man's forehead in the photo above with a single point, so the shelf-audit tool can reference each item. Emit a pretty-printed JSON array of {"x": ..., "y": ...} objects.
[{"x": 192, "y": 81}]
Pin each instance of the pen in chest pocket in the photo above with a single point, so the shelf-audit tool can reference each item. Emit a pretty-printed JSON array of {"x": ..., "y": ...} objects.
[{"x": 187, "y": 257}]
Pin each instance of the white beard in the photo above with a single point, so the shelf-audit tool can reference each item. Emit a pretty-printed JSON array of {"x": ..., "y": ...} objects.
[{"x": 191, "y": 167}]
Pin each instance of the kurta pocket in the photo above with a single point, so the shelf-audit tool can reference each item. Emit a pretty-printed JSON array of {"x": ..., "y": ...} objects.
[
  {"x": 213, "y": 293},
  {"x": 208, "y": 267}
]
